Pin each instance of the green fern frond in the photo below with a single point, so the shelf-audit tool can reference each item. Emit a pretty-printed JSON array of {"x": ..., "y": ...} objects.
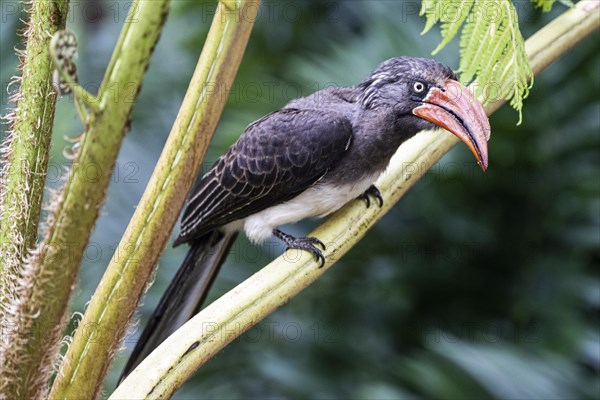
[
  {"x": 454, "y": 14},
  {"x": 428, "y": 8},
  {"x": 500, "y": 61},
  {"x": 492, "y": 47},
  {"x": 472, "y": 43}
]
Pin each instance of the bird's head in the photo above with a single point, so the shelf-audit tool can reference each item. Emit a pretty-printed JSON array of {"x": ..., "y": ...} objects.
[{"x": 423, "y": 94}]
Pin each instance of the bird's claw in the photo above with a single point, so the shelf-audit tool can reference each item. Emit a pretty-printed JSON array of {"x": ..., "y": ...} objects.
[
  {"x": 313, "y": 240},
  {"x": 372, "y": 191},
  {"x": 303, "y": 243}
]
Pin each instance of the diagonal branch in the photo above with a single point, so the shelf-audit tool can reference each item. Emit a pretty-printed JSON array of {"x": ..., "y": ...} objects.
[{"x": 177, "y": 358}]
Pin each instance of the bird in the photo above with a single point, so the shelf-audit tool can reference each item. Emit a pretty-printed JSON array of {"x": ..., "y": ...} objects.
[{"x": 308, "y": 159}]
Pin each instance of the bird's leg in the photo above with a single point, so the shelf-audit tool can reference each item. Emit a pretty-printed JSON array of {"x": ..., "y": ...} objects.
[
  {"x": 303, "y": 243},
  {"x": 371, "y": 191}
]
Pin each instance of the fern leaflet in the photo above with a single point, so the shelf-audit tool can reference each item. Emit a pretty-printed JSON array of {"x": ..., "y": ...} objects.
[{"x": 492, "y": 47}]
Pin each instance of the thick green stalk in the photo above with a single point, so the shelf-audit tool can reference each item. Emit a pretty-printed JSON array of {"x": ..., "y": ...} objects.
[
  {"x": 132, "y": 265},
  {"x": 176, "y": 359},
  {"x": 38, "y": 309},
  {"x": 28, "y": 144},
  {"x": 25, "y": 163}
]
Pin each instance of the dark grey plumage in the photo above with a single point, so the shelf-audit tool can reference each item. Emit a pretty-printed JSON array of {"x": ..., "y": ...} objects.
[
  {"x": 307, "y": 159},
  {"x": 337, "y": 135},
  {"x": 276, "y": 158}
]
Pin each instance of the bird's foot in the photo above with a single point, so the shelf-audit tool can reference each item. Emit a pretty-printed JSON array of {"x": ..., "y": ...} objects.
[
  {"x": 303, "y": 243},
  {"x": 371, "y": 191}
]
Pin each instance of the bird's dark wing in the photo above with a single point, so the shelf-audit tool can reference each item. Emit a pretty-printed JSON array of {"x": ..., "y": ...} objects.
[{"x": 275, "y": 159}]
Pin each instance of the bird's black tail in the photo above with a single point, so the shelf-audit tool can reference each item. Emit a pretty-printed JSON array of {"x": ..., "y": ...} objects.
[{"x": 185, "y": 293}]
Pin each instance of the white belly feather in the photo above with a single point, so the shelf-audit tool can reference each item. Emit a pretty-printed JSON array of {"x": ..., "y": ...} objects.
[{"x": 316, "y": 201}]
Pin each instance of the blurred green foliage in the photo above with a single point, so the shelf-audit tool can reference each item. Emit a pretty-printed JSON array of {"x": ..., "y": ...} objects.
[{"x": 474, "y": 286}]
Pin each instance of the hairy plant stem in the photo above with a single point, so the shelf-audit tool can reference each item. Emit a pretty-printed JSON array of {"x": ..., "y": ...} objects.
[
  {"x": 176, "y": 359},
  {"x": 38, "y": 308},
  {"x": 25, "y": 153},
  {"x": 136, "y": 256},
  {"x": 25, "y": 159}
]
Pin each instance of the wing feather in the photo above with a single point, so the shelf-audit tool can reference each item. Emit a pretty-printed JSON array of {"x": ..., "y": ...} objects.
[{"x": 275, "y": 159}]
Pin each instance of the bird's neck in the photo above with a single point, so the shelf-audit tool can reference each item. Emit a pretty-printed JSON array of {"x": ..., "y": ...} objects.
[{"x": 380, "y": 133}]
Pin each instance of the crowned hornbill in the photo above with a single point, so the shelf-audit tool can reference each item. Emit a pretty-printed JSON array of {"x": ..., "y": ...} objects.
[{"x": 309, "y": 159}]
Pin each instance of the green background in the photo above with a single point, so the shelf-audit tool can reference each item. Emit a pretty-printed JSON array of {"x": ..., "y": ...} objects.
[{"x": 474, "y": 286}]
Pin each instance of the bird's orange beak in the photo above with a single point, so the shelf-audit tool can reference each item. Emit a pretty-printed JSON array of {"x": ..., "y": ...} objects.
[{"x": 455, "y": 109}]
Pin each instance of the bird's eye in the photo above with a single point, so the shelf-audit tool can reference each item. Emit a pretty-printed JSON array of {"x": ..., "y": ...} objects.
[{"x": 418, "y": 87}]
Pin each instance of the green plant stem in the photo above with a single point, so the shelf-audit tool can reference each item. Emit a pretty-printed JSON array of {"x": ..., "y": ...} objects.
[
  {"x": 24, "y": 173},
  {"x": 130, "y": 269},
  {"x": 176, "y": 359},
  {"x": 28, "y": 144},
  {"x": 39, "y": 307}
]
